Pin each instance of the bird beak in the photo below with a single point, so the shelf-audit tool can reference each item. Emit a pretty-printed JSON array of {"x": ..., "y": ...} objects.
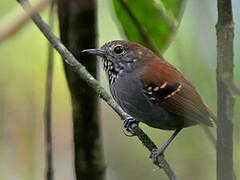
[{"x": 97, "y": 52}]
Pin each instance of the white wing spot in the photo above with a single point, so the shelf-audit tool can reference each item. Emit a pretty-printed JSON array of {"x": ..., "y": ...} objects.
[
  {"x": 149, "y": 88},
  {"x": 156, "y": 88},
  {"x": 163, "y": 85}
]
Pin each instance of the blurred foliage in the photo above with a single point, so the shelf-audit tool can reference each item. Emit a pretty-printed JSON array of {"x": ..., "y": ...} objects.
[
  {"x": 150, "y": 23},
  {"x": 23, "y": 62}
]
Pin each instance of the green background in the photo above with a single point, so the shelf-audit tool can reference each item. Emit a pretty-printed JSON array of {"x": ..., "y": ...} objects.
[{"x": 23, "y": 60}]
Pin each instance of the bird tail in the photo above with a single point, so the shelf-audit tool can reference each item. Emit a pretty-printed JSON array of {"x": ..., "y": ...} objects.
[{"x": 212, "y": 116}]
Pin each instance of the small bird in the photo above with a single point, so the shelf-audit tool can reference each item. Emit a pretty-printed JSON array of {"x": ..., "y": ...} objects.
[{"x": 151, "y": 90}]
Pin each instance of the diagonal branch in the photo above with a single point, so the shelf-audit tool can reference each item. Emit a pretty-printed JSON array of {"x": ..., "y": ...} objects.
[{"x": 92, "y": 82}]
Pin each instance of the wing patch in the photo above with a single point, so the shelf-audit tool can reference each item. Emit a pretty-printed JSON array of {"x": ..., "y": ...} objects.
[{"x": 157, "y": 94}]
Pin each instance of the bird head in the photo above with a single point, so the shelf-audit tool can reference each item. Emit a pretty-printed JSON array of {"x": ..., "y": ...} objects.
[{"x": 122, "y": 56}]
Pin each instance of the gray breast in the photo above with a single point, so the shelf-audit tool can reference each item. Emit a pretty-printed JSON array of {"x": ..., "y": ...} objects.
[{"x": 128, "y": 93}]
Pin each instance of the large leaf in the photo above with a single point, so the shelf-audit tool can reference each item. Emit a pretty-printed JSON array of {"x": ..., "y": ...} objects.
[{"x": 149, "y": 22}]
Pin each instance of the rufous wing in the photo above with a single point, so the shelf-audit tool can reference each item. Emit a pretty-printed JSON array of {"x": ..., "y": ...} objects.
[{"x": 165, "y": 86}]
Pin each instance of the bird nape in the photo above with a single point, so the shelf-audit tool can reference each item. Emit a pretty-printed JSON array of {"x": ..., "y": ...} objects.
[{"x": 151, "y": 90}]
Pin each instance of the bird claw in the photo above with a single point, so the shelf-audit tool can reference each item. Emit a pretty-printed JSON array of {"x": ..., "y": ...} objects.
[
  {"x": 127, "y": 123},
  {"x": 128, "y": 133},
  {"x": 155, "y": 154}
]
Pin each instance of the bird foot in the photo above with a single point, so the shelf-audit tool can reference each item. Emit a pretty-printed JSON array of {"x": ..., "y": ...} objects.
[
  {"x": 155, "y": 154},
  {"x": 127, "y": 123}
]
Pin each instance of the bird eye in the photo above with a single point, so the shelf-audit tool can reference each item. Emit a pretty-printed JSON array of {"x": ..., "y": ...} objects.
[{"x": 118, "y": 49}]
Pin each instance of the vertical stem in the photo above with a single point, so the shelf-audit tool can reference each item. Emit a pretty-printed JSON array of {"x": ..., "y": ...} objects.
[
  {"x": 78, "y": 28},
  {"x": 225, "y": 36},
  {"x": 48, "y": 103}
]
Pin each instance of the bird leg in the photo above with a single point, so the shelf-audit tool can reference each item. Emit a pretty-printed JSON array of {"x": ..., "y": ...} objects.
[
  {"x": 127, "y": 123},
  {"x": 157, "y": 152}
]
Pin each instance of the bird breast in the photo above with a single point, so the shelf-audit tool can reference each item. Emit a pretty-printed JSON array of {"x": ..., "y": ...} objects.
[{"x": 128, "y": 93}]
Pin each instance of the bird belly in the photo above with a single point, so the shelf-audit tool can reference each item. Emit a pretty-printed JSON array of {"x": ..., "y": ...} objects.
[{"x": 128, "y": 93}]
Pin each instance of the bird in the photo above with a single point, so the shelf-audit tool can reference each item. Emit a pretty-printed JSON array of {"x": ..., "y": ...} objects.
[{"x": 151, "y": 90}]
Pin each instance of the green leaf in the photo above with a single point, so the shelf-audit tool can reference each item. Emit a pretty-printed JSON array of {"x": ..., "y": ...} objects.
[{"x": 149, "y": 22}]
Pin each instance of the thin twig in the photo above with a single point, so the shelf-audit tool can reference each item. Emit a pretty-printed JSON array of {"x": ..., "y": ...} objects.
[
  {"x": 84, "y": 74},
  {"x": 48, "y": 103},
  {"x": 10, "y": 27}
]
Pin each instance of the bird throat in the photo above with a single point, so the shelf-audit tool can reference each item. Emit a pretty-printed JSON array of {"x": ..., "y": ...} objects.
[{"x": 113, "y": 70}]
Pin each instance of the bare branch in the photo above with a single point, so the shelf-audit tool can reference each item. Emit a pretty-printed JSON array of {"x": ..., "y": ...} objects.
[
  {"x": 225, "y": 36},
  {"x": 84, "y": 74}
]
